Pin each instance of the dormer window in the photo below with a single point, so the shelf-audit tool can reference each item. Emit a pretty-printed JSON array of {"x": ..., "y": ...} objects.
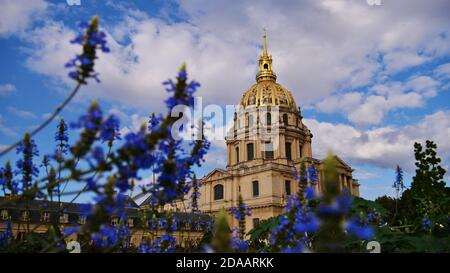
[
  {"x": 64, "y": 218},
  {"x": 46, "y": 217},
  {"x": 25, "y": 215},
  {"x": 5, "y": 214},
  {"x": 82, "y": 220},
  {"x": 114, "y": 221}
]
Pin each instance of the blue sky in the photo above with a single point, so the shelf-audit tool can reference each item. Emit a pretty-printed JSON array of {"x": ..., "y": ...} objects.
[{"x": 371, "y": 80}]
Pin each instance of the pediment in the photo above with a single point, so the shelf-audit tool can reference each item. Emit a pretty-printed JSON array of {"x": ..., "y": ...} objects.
[
  {"x": 215, "y": 174},
  {"x": 341, "y": 162}
]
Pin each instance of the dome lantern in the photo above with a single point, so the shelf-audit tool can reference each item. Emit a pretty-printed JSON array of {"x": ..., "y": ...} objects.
[
  {"x": 265, "y": 72},
  {"x": 266, "y": 91}
]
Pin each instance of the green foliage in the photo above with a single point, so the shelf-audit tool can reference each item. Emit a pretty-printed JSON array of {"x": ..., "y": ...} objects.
[
  {"x": 221, "y": 241},
  {"x": 261, "y": 233},
  {"x": 401, "y": 240},
  {"x": 428, "y": 197},
  {"x": 428, "y": 186},
  {"x": 362, "y": 205}
]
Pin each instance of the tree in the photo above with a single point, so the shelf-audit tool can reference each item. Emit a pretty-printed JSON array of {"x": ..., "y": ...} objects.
[
  {"x": 428, "y": 196},
  {"x": 387, "y": 203}
]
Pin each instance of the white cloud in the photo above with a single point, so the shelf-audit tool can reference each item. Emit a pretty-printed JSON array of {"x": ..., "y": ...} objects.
[
  {"x": 316, "y": 46},
  {"x": 6, "y": 130},
  {"x": 7, "y": 88},
  {"x": 17, "y": 15},
  {"x": 370, "y": 112},
  {"x": 423, "y": 85},
  {"x": 385, "y": 146},
  {"x": 443, "y": 71},
  {"x": 21, "y": 113},
  {"x": 337, "y": 103},
  {"x": 371, "y": 107},
  {"x": 398, "y": 60}
]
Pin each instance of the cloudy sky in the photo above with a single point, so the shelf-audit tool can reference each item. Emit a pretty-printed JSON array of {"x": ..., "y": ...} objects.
[{"x": 371, "y": 79}]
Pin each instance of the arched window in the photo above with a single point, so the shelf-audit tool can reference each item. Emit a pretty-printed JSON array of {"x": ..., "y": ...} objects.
[
  {"x": 268, "y": 119},
  {"x": 285, "y": 120},
  {"x": 218, "y": 192},
  {"x": 255, "y": 185},
  {"x": 266, "y": 66}
]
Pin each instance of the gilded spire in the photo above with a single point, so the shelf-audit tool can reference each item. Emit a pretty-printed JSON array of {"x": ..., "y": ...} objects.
[
  {"x": 265, "y": 44},
  {"x": 265, "y": 64}
]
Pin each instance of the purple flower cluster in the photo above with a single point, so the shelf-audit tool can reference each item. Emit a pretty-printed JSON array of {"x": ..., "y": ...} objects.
[
  {"x": 238, "y": 244},
  {"x": 426, "y": 224},
  {"x": 165, "y": 243},
  {"x": 91, "y": 120},
  {"x": 25, "y": 165},
  {"x": 62, "y": 139},
  {"x": 109, "y": 130},
  {"x": 240, "y": 212},
  {"x": 295, "y": 226},
  {"x": 298, "y": 222},
  {"x": 111, "y": 236},
  {"x": 6, "y": 236},
  {"x": 184, "y": 98},
  {"x": 398, "y": 183},
  {"x": 360, "y": 227},
  {"x": 341, "y": 205},
  {"x": 110, "y": 175},
  {"x": 91, "y": 40}
]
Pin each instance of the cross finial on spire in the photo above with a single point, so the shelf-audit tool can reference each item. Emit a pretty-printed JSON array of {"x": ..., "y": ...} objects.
[{"x": 265, "y": 43}]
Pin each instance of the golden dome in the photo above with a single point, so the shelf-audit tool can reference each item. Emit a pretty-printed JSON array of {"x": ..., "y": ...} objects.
[{"x": 266, "y": 91}]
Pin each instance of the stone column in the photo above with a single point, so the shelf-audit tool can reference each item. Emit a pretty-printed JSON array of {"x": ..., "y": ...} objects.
[{"x": 350, "y": 184}]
